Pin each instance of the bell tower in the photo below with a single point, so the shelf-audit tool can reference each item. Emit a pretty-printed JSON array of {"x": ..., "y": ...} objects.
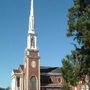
[{"x": 32, "y": 59}]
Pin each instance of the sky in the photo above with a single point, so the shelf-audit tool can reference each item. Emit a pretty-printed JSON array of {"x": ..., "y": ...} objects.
[{"x": 50, "y": 26}]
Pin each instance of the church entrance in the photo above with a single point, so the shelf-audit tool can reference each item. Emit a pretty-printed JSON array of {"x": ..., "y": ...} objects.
[{"x": 33, "y": 83}]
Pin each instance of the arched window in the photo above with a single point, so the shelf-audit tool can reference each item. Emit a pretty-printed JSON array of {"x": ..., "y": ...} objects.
[
  {"x": 32, "y": 42},
  {"x": 33, "y": 83}
]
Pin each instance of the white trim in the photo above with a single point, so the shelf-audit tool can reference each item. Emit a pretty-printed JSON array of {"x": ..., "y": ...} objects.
[
  {"x": 27, "y": 74},
  {"x": 54, "y": 85},
  {"x": 51, "y": 74},
  {"x": 39, "y": 73}
]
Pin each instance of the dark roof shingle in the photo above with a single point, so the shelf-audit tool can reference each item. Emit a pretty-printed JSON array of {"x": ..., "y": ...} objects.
[{"x": 16, "y": 71}]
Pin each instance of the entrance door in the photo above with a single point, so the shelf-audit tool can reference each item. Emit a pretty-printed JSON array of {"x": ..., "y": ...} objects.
[{"x": 33, "y": 83}]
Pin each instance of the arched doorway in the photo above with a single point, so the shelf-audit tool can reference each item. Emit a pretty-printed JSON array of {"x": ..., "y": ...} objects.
[{"x": 33, "y": 83}]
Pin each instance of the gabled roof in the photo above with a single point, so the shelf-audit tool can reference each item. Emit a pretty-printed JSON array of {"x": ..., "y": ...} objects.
[
  {"x": 56, "y": 70},
  {"x": 16, "y": 71},
  {"x": 44, "y": 69},
  {"x": 19, "y": 70}
]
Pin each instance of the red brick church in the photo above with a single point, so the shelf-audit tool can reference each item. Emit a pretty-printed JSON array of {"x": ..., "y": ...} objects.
[{"x": 32, "y": 76}]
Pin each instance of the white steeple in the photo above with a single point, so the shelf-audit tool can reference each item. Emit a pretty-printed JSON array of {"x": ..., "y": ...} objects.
[
  {"x": 32, "y": 9},
  {"x": 31, "y": 18},
  {"x": 31, "y": 38}
]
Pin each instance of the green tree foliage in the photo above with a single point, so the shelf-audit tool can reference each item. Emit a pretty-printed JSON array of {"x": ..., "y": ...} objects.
[
  {"x": 69, "y": 70},
  {"x": 77, "y": 65},
  {"x": 79, "y": 22},
  {"x": 79, "y": 29}
]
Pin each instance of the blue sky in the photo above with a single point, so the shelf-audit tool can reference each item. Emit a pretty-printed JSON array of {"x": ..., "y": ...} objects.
[{"x": 50, "y": 25}]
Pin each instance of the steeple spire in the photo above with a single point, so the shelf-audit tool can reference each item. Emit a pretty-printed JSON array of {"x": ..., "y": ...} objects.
[
  {"x": 32, "y": 9},
  {"x": 31, "y": 38},
  {"x": 31, "y": 18}
]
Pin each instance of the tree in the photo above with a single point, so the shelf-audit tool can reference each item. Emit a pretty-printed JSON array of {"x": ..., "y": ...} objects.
[
  {"x": 77, "y": 65},
  {"x": 69, "y": 70},
  {"x": 79, "y": 29}
]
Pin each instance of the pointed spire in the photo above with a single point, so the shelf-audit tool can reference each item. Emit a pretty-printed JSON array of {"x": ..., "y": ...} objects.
[
  {"x": 31, "y": 19},
  {"x": 32, "y": 9},
  {"x": 31, "y": 38}
]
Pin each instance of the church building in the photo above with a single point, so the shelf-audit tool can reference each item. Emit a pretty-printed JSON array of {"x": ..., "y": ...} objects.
[{"x": 30, "y": 75}]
